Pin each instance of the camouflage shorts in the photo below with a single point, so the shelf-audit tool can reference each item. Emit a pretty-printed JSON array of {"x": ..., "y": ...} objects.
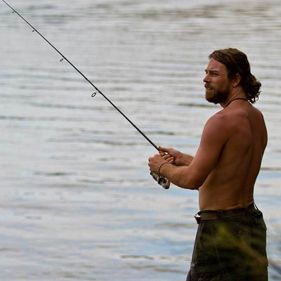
[{"x": 230, "y": 246}]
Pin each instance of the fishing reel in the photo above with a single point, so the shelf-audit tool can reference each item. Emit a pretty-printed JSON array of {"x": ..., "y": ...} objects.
[{"x": 165, "y": 183}]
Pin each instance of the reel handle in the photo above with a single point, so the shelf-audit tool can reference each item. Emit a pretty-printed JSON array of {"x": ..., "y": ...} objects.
[{"x": 165, "y": 183}]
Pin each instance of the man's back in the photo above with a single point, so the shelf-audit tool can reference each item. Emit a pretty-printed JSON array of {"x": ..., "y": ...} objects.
[{"x": 230, "y": 184}]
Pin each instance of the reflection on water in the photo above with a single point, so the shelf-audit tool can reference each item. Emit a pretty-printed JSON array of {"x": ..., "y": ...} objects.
[{"x": 77, "y": 202}]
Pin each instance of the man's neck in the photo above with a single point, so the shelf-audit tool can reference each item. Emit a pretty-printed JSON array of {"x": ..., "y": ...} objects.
[
  {"x": 234, "y": 99},
  {"x": 236, "y": 94}
]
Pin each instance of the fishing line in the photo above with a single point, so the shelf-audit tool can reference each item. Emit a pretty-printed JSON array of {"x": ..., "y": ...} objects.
[{"x": 162, "y": 181}]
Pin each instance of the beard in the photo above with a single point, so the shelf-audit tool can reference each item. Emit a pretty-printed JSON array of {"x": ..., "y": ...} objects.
[{"x": 217, "y": 96}]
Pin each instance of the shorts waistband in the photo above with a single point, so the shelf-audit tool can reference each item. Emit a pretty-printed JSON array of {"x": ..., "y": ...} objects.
[{"x": 207, "y": 215}]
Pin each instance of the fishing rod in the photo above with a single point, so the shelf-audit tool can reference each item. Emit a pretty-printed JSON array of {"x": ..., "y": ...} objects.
[{"x": 160, "y": 179}]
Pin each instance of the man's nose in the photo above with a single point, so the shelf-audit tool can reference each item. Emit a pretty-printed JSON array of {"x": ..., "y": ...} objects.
[{"x": 206, "y": 79}]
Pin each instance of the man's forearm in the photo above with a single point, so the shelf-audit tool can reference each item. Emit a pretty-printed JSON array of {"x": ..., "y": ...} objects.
[{"x": 179, "y": 175}]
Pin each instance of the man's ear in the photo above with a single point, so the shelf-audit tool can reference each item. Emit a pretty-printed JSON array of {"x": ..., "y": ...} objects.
[{"x": 236, "y": 80}]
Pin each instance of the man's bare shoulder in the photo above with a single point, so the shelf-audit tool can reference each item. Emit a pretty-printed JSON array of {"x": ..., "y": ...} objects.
[
  {"x": 228, "y": 120},
  {"x": 218, "y": 120},
  {"x": 216, "y": 127}
]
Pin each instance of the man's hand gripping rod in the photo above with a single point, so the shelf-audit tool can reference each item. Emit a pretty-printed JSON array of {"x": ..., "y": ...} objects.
[{"x": 160, "y": 179}]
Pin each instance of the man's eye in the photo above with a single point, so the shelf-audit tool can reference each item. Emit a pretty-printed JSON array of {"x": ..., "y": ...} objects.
[
  {"x": 211, "y": 73},
  {"x": 214, "y": 73}
]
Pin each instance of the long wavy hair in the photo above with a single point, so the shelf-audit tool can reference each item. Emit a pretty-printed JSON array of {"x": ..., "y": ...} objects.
[{"x": 236, "y": 62}]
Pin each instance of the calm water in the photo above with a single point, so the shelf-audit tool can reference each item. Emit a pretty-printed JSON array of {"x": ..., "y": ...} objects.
[{"x": 76, "y": 198}]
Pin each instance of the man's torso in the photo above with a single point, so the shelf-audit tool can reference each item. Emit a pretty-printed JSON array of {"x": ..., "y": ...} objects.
[{"x": 230, "y": 184}]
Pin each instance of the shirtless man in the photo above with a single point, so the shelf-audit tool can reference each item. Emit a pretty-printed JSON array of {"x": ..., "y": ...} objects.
[{"x": 231, "y": 236}]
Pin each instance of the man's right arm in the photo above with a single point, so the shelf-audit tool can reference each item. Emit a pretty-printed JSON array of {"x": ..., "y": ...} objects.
[{"x": 192, "y": 176}]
